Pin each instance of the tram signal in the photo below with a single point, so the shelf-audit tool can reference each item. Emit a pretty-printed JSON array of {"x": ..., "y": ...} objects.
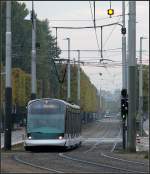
[
  {"x": 123, "y": 30},
  {"x": 110, "y": 11},
  {"x": 124, "y": 104},
  {"x": 124, "y": 108},
  {"x": 124, "y": 93}
]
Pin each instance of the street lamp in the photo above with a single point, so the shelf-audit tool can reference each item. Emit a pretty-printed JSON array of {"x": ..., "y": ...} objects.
[
  {"x": 68, "y": 71},
  {"x": 141, "y": 88},
  {"x": 33, "y": 61},
  {"x": 100, "y": 101},
  {"x": 78, "y": 79}
]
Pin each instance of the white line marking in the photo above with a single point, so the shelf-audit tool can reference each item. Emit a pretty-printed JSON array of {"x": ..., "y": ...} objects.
[{"x": 114, "y": 146}]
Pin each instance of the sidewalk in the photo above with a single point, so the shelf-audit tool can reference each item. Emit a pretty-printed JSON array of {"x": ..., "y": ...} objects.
[
  {"x": 146, "y": 126},
  {"x": 16, "y": 137},
  {"x": 143, "y": 142}
]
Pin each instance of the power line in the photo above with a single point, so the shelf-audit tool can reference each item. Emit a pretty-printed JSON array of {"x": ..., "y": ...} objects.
[
  {"x": 97, "y": 39},
  {"x": 113, "y": 30},
  {"x": 87, "y": 27},
  {"x": 86, "y": 20},
  {"x": 92, "y": 50},
  {"x": 94, "y": 27}
]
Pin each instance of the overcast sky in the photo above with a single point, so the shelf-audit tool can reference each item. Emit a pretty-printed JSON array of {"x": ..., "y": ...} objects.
[{"x": 57, "y": 11}]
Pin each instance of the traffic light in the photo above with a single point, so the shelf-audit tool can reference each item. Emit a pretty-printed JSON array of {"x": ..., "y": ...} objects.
[
  {"x": 124, "y": 108},
  {"x": 124, "y": 104},
  {"x": 123, "y": 30},
  {"x": 110, "y": 11},
  {"x": 124, "y": 93}
]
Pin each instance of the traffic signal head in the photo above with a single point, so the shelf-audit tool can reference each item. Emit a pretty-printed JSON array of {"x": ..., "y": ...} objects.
[
  {"x": 123, "y": 30},
  {"x": 124, "y": 93},
  {"x": 110, "y": 11},
  {"x": 124, "y": 108}
]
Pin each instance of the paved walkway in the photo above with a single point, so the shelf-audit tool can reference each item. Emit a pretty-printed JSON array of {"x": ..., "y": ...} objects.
[
  {"x": 16, "y": 137},
  {"x": 143, "y": 142},
  {"x": 146, "y": 126}
]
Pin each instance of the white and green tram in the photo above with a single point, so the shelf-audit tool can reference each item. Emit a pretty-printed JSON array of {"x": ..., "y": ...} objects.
[{"x": 52, "y": 122}]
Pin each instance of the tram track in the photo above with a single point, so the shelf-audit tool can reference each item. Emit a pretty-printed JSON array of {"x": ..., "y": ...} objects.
[
  {"x": 118, "y": 169},
  {"x": 16, "y": 158},
  {"x": 121, "y": 161},
  {"x": 91, "y": 157}
]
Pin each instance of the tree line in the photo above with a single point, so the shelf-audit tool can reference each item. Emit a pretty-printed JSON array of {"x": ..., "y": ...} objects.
[{"x": 48, "y": 84}]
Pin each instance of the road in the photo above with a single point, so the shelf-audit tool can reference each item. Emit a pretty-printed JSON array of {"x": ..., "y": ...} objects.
[{"x": 98, "y": 153}]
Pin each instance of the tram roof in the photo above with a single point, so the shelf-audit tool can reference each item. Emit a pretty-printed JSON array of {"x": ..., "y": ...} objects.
[{"x": 54, "y": 99}]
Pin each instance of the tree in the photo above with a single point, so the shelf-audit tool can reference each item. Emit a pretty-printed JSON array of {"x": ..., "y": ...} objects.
[{"x": 21, "y": 40}]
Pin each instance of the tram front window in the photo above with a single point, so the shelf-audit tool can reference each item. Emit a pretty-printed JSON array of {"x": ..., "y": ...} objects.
[{"x": 45, "y": 118}]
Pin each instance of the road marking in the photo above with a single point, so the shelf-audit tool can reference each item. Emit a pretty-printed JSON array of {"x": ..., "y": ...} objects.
[{"x": 114, "y": 146}]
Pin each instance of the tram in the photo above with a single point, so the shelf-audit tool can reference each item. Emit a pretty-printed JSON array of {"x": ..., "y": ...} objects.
[{"x": 52, "y": 122}]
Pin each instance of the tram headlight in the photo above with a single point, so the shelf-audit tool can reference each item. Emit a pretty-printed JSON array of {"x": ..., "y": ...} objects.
[
  {"x": 29, "y": 137},
  {"x": 60, "y": 137}
]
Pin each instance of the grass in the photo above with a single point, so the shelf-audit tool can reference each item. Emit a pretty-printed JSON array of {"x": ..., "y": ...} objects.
[{"x": 146, "y": 155}]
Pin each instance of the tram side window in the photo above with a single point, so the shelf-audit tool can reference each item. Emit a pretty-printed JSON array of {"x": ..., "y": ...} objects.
[
  {"x": 74, "y": 125},
  {"x": 71, "y": 125},
  {"x": 78, "y": 124},
  {"x": 76, "y": 118},
  {"x": 68, "y": 122},
  {"x": 68, "y": 128},
  {"x": 78, "y": 115},
  {"x": 69, "y": 116},
  {"x": 72, "y": 121}
]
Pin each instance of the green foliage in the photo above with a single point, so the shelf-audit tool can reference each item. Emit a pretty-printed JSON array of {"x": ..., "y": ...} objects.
[
  {"x": 145, "y": 87},
  {"x": 88, "y": 98},
  {"x": 47, "y": 81},
  {"x": 21, "y": 40}
]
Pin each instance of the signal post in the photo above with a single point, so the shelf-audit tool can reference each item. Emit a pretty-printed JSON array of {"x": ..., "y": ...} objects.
[{"x": 124, "y": 114}]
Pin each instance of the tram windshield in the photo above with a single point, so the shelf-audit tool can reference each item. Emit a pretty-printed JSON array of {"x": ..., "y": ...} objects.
[{"x": 45, "y": 116}]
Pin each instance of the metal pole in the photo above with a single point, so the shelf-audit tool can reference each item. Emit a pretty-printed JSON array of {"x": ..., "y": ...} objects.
[
  {"x": 131, "y": 122},
  {"x": 101, "y": 42},
  {"x": 124, "y": 64},
  {"x": 8, "y": 88},
  {"x": 94, "y": 14},
  {"x": 124, "y": 70},
  {"x": 100, "y": 106},
  {"x": 33, "y": 61},
  {"x": 78, "y": 80},
  {"x": 141, "y": 89},
  {"x": 56, "y": 41},
  {"x": 99, "y": 100},
  {"x": 68, "y": 79}
]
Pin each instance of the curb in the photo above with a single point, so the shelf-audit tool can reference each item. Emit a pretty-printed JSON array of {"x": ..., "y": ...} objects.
[{"x": 13, "y": 144}]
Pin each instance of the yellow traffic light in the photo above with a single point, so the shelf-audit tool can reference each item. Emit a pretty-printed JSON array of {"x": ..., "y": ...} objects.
[{"x": 110, "y": 11}]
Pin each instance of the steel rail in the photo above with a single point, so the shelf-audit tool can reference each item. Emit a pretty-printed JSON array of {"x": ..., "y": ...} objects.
[
  {"x": 96, "y": 164},
  {"x": 115, "y": 158},
  {"x": 121, "y": 159},
  {"x": 115, "y": 144},
  {"x": 15, "y": 157}
]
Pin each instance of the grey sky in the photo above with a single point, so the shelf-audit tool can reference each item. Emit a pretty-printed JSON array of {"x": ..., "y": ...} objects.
[{"x": 85, "y": 39}]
